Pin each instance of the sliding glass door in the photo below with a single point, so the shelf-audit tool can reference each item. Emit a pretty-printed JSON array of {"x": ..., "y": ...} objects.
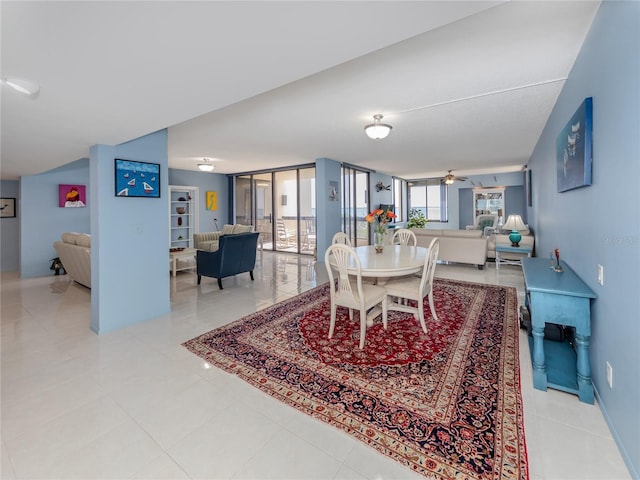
[
  {"x": 307, "y": 209},
  {"x": 355, "y": 200},
  {"x": 263, "y": 196},
  {"x": 281, "y": 206},
  {"x": 286, "y": 211}
]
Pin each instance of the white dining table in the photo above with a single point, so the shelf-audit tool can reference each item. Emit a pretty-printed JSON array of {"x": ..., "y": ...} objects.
[{"x": 394, "y": 261}]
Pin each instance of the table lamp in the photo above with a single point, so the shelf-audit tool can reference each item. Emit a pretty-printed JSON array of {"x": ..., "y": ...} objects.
[{"x": 515, "y": 223}]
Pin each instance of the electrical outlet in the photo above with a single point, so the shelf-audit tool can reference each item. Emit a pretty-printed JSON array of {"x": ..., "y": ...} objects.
[
  {"x": 600, "y": 274},
  {"x": 609, "y": 375}
]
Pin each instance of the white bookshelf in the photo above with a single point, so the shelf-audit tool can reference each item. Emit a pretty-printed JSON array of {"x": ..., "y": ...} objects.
[{"x": 182, "y": 226}]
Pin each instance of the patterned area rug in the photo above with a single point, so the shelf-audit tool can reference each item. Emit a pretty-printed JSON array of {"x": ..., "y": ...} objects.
[{"x": 446, "y": 404}]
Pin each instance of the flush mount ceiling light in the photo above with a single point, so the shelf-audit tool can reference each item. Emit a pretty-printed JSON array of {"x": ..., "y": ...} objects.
[
  {"x": 207, "y": 166},
  {"x": 26, "y": 87},
  {"x": 377, "y": 130}
]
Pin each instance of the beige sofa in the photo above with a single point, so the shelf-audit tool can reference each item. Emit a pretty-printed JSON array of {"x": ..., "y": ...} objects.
[
  {"x": 209, "y": 241},
  {"x": 460, "y": 246},
  {"x": 74, "y": 251}
]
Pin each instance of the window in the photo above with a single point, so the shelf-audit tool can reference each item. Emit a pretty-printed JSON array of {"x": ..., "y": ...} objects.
[
  {"x": 397, "y": 199},
  {"x": 430, "y": 197}
]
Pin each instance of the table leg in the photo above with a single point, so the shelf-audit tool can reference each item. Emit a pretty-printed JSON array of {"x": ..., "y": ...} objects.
[
  {"x": 174, "y": 265},
  {"x": 539, "y": 367},
  {"x": 497, "y": 260},
  {"x": 583, "y": 367}
]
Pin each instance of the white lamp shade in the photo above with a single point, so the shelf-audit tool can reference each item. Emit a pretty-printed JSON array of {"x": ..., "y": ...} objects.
[
  {"x": 514, "y": 222},
  {"x": 377, "y": 130}
]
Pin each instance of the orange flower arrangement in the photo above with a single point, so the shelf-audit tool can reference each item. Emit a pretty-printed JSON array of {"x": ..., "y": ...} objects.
[{"x": 379, "y": 219}]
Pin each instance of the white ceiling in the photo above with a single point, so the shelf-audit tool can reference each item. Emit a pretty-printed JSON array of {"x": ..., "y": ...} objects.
[{"x": 467, "y": 86}]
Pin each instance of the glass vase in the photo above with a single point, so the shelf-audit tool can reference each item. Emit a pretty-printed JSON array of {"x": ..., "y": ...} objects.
[{"x": 378, "y": 241}]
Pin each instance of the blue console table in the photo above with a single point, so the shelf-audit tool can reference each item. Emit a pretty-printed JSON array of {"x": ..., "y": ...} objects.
[{"x": 564, "y": 299}]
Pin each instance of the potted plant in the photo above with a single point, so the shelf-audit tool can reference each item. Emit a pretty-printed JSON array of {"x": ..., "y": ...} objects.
[{"x": 417, "y": 219}]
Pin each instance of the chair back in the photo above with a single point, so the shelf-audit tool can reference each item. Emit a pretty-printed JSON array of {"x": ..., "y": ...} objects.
[
  {"x": 310, "y": 226},
  {"x": 237, "y": 253},
  {"x": 429, "y": 269},
  {"x": 281, "y": 230},
  {"x": 337, "y": 259},
  {"x": 486, "y": 220},
  {"x": 404, "y": 236},
  {"x": 341, "y": 237}
]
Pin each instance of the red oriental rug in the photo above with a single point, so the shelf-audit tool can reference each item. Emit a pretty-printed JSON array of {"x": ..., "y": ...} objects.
[{"x": 446, "y": 404}]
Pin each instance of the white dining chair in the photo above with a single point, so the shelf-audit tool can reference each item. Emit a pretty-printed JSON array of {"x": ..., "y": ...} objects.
[
  {"x": 404, "y": 236},
  {"x": 348, "y": 290},
  {"x": 416, "y": 288},
  {"x": 341, "y": 237}
]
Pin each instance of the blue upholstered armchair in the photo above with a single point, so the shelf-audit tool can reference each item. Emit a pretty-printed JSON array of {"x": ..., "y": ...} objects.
[
  {"x": 485, "y": 222},
  {"x": 236, "y": 254}
]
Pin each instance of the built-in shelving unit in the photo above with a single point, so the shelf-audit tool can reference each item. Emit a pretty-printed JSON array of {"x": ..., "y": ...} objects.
[
  {"x": 183, "y": 215},
  {"x": 489, "y": 201}
]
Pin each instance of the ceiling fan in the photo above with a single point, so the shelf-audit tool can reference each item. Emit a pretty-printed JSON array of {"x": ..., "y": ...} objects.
[{"x": 449, "y": 178}]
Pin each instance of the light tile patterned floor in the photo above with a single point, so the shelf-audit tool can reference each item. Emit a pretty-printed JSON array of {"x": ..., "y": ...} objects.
[{"x": 135, "y": 404}]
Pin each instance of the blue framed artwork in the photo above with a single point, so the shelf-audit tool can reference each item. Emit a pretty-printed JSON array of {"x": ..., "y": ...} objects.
[
  {"x": 137, "y": 179},
  {"x": 574, "y": 149}
]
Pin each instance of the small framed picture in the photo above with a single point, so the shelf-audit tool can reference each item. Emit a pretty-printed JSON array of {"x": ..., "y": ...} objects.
[
  {"x": 72, "y": 196},
  {"x": 574, "y": 149},
  {"x": 334, "y": 195},
  {"x": 212, "y": 200},
  {"x": 137, "y": 179},
  {"x": 7, "y": 207}
]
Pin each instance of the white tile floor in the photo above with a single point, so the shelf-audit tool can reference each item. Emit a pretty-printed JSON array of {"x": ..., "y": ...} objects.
[{"x": 135, "y": 404}]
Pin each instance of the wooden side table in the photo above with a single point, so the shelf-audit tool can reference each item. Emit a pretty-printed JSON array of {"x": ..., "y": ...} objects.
[
  {"x": 561, "y": 298},
  {"x": 504, "y": 248},
  {"x": 186, "y": 254}
]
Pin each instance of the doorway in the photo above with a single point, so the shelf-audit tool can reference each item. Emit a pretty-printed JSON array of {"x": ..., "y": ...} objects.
[
  {"x": 355, "y": 201},
  {"x": 281, "y": 206}
]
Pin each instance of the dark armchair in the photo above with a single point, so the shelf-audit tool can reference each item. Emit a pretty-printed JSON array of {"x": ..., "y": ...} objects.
[{"x": 236, "y": 254}]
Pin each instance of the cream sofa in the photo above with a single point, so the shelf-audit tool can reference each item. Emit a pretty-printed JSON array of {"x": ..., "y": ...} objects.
[
  {"x": 74, "y": 251},
  {"x": 209, "y": 241},
  {"x": 460, "y": 246}
]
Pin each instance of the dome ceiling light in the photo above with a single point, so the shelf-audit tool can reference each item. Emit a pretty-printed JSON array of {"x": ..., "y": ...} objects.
[
  {"x": 377, "y": 130},
  {"x": 207, "y": 166}
]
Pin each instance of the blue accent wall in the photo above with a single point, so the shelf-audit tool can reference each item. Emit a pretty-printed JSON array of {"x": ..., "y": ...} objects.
[
  {"x": 129, "y": 243},
  {"x": 206, "y": 182},
  {"x": 42, "y": 221},
  {"x": 600, "y": 224},
  {"x": 328, "y": 213},
  {"x": 10, "y": 229}
]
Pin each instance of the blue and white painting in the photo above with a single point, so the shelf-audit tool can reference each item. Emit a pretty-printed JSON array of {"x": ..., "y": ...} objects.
[
  {"x": 573, "y": 149},
  {"x": 137, "y": 179}
]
